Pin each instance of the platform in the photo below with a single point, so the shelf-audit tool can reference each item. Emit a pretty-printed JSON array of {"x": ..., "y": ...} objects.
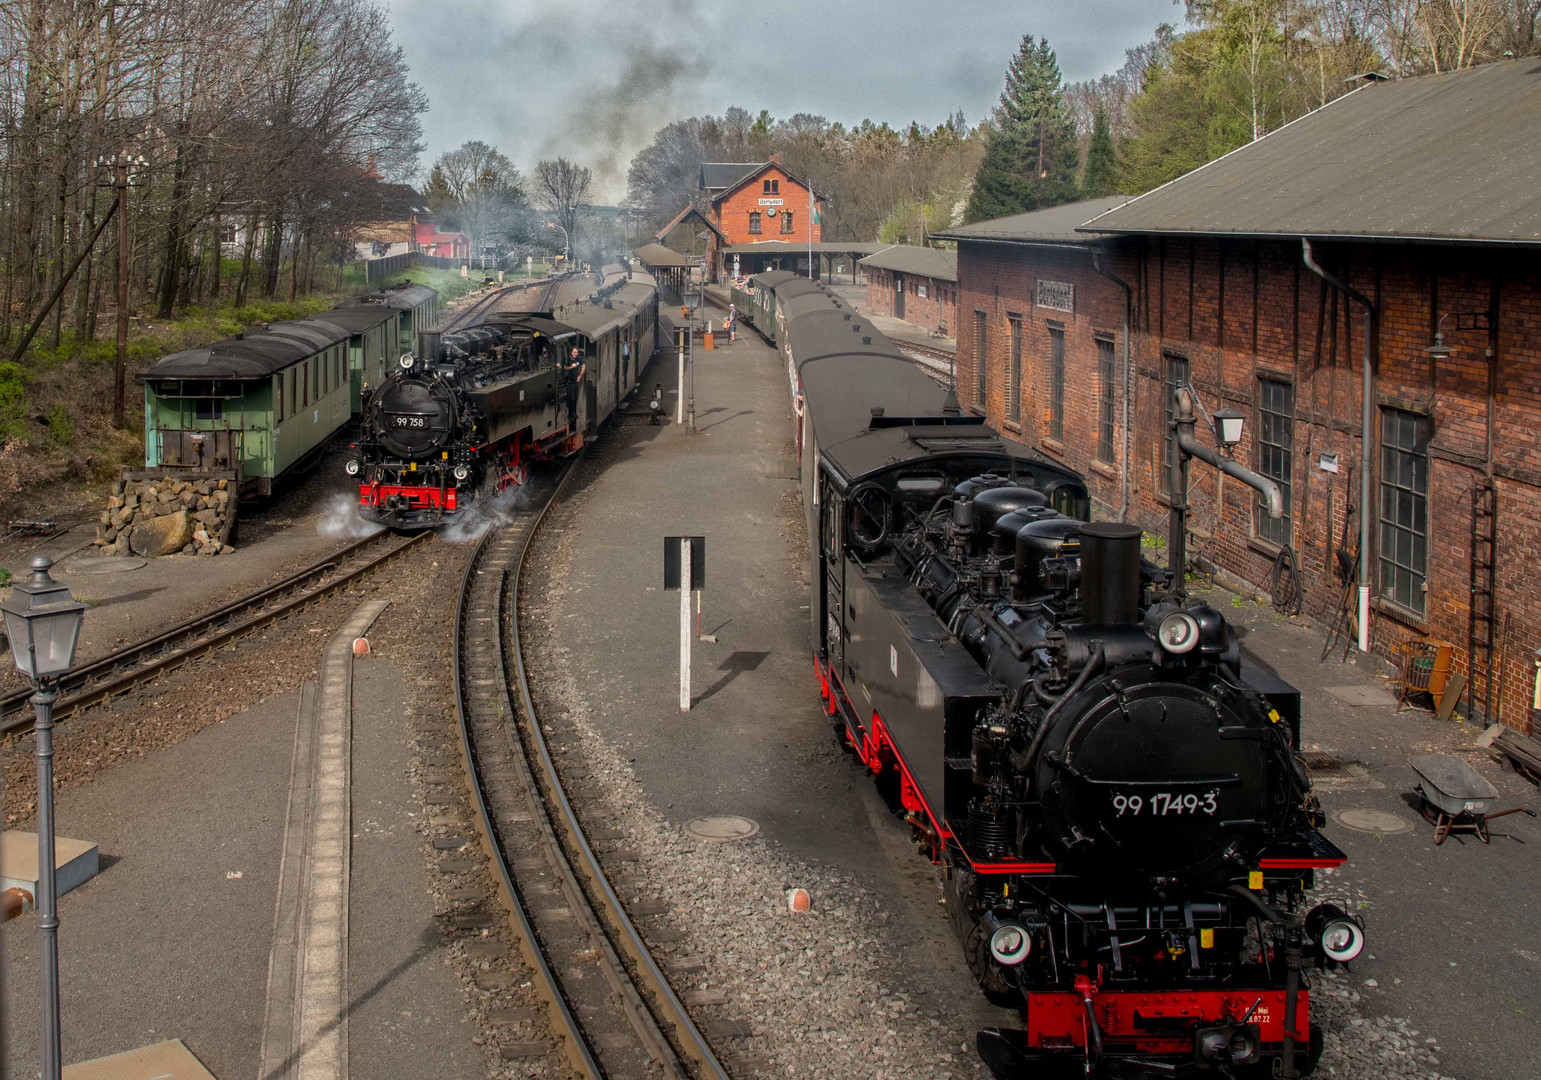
[
  {"x": 169, "y": 1060},
  {"x": 75, "y": 862}
]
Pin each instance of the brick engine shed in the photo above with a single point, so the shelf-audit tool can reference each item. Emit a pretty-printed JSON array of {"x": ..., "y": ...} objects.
[
  {"x": 916, "y": 284},
  {"x": 1418, "y": 197}
]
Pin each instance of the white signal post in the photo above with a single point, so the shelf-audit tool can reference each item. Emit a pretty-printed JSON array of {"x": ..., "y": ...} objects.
[
  {"x": 685, "y": 623},
  {"x": 679, "y": 398}
]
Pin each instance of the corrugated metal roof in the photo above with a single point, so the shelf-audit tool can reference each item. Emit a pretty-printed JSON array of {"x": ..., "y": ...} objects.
[
  {"x": 716, "y": 175},
  {"x": 1056, "y": 225},
  {"x": 919, "y": 261},
  {"x": 1453, "y": 157},
  {"x": 658, "y": 255}
]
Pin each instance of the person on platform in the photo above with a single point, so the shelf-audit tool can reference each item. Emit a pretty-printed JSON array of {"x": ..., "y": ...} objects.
[
  {"x": 732, "y": 324},
  {"x": 572, "y": 374}
]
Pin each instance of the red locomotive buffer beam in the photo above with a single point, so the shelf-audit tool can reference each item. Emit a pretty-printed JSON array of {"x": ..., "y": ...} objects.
[{"x": 415, "y": 496}]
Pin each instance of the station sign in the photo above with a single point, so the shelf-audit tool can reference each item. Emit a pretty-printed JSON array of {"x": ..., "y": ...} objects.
[
  {"x": 1056, "y": 296},
  {"x": 772, "y": 202}
]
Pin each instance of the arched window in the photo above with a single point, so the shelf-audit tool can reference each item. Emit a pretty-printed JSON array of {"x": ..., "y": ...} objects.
[
  {"x": 786, "y": 221},
  {"x": 754, "y": 221}
]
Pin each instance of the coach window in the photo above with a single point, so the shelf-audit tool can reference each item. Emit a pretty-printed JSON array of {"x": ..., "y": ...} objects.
[
  {"x": 294, "y": 390},
  {"x": 208, "y": 409},
  {"x": 981, "y": 358},
  {"x": 1107, "y": 377},
  {"x": 754, "y": 221},
  {"x": 305, "y": 382},
  {"x": 278, "y": 398},
  {"x": 1176, "y": 375},
  {"x": 1404, "y": 508},
  {"x": 1014, "y": 369},
  {"x": 1275, "y": 453},
  {"x": 786, "y": 221},
  {"x": 1056, "y": 382}
]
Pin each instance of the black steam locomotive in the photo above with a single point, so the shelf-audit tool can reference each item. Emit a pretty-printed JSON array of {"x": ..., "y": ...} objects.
[
  {"x": 472, "y": 410},
  {"x": 1128, "y": 832}
]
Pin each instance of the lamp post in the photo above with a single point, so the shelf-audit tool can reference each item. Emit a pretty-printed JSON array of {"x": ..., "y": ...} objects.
[
  {"x": 567, "y": 242},
  {"x": 43, "y": 622}
]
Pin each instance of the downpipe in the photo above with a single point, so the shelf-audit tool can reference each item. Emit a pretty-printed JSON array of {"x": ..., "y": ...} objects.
[{"x": 1366, "y": 420}]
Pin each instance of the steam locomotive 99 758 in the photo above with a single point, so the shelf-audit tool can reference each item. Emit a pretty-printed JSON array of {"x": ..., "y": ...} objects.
[
  {"x": 471, "y": 410},
  {"x": 1128, "y": 833}
]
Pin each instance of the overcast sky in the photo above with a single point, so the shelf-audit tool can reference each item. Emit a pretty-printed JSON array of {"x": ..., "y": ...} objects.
[{"x": 593, "y": 79}]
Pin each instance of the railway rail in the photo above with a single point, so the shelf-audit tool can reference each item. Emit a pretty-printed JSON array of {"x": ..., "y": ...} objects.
[
  {"x": 124, "y": 669},
  {"x": 613, "y": 1010},
  {"x": 494, "y": 300}
]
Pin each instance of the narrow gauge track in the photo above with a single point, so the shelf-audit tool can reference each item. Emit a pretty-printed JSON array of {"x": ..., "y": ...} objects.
[
  {"x": 612, "y": 1009},
  {"x": 494, "y": 300},
  {"x": 123, "y": 669}
]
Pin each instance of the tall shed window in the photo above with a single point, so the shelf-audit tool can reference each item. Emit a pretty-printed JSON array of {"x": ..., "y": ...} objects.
[
  {"x": 1176, "y": 375},
  {"x": 1275, "y": 452},
  {"x": 786, "y": 221},
  {"x": 1107, "y": 378},
  {"x": 1014, "y": 370},
  {"x": 754, "y": 221},
  {"x": 981, "y": 357},
  {"x": 1057, "y": 383},
  {"x": 1404, "y": 508}
]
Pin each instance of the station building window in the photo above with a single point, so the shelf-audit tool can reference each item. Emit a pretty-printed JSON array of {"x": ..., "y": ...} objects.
[
  {"x": 754, "y": 221},
  {"x": 1014, "y": 369},
  {"x": 1275, "y": 453},
  {"x": 786, "y": 221},
  {"x": 981, "y": 358},
  {"x": 1106, "y": 378},
  {"x": 1056, "y": 383},
  {"x": 1404, "y": 508}
]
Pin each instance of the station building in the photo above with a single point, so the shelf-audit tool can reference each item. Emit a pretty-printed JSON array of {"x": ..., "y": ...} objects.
[
  {"x": 760, "y": 217},
  {"x": 1417, "y": 202},
  {"x": 916, "y": 284}
]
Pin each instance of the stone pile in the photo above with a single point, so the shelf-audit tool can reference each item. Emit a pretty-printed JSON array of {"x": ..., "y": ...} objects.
[{"x": 165, "y": 516}]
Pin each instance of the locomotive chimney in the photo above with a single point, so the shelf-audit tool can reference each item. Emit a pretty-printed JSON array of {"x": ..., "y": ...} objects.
[
  {"x": 1110, "y": 573},
  {"x": 428, "y": 347}
]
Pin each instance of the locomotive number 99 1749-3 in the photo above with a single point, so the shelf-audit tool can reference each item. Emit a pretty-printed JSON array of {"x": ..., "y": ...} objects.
[{"x": 1167, "y": 802}]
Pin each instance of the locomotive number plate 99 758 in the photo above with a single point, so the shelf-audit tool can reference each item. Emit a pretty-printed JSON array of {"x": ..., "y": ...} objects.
[
  {"x": 1167, "y": 802},
  {"x": 410, "y": 421}
]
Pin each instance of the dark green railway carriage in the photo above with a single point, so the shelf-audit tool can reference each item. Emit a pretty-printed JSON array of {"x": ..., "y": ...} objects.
[{"x": 384, "y": 325}]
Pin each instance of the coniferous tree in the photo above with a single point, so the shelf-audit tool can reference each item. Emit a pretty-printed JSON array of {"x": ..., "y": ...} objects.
[
  {"x": 1032, "y": 159},
  {"x": 1101, "y": 175}
]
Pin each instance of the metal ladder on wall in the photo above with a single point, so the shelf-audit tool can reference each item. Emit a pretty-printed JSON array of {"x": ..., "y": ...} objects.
[{"x": 1482, "y": 623}]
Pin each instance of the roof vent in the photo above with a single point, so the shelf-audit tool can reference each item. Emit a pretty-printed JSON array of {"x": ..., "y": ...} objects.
[
  {"x": 877, "y": 410},
  {"x": 866, "y": 340},
  {"x": 847, "y": 316}
]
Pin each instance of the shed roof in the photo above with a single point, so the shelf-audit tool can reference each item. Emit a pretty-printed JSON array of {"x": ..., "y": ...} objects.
[
  {"x": 1055, "y": 225},
  {"x": 658, "y": 255},
  {"x": 919, "y": 261},
  {"x": 1442, "y": 158},
  {"x": 252, "y": 354}
]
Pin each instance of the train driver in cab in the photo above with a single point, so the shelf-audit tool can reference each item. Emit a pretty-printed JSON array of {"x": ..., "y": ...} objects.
[{"x": 572, "y": 375}]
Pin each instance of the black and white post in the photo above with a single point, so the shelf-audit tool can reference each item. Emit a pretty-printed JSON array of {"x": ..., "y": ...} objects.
[
  {"x": 684, "y": 568},
  {"x": 684, "y": 624}
]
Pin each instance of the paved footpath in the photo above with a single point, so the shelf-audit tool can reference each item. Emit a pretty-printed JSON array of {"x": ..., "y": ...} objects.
[{"x": 173, "y": 938}]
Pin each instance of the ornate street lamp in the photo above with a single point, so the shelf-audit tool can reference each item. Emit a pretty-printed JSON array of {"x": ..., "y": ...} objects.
[{"x": 43, "y": 622}]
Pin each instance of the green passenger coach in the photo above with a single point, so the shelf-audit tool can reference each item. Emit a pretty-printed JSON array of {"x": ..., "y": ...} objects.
[{"x": 253, "y": 407}]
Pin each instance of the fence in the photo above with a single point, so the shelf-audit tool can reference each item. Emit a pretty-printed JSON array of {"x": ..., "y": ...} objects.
[{"x": 391, "y": 265}]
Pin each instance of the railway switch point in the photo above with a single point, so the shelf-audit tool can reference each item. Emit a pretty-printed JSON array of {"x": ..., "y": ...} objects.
[{"x": 75, "y": 862}]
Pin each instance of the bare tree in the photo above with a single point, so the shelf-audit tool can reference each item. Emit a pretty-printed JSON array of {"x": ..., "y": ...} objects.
[
  {"x": 480, "y": 189},
  {"x": 562, "y": 188}
]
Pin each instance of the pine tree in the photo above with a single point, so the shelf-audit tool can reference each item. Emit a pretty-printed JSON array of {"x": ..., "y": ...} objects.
[
  {"x": 1101, "y": 175},
  {"x": 1031, "y": 160}
]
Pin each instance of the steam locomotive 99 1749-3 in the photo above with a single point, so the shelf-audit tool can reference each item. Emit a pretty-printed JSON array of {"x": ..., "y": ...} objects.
[
  {"x": 470, "y": 411},
  {"x": 1128, "y": 832}
]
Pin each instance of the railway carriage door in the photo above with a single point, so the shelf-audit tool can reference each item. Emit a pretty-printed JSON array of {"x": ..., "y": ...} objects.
[{"x": 832, "y": 595}]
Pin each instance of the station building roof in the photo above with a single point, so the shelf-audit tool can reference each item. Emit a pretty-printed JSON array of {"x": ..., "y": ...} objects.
[
  {"x": 916, "y": 261},
  {"x": 1055, "y": 225},
  {"x": 1450, "y": 158},
  {"x": 658, "y": 255},
  {"x": 792, "y": 247},
  {"x": 720, "y": 175}
]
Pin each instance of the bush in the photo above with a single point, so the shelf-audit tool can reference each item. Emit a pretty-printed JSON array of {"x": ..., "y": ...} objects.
[
  {"x": 13, "y": 402},
  {"x": 61, "y": 429}
]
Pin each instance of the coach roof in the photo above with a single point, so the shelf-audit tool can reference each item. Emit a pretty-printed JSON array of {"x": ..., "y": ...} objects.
[
  {"x": 1439, "y": 158},
  {"x": 252, "y": 354}
]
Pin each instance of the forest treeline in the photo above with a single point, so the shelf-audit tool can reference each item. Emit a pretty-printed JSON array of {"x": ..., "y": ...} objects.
[
  {"x": 259, "y": 129},
  {"x": 1233, "y": 71}
]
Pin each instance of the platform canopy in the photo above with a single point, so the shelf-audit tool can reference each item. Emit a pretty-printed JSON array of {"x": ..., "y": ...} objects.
[{"x": 656, "y": 255}]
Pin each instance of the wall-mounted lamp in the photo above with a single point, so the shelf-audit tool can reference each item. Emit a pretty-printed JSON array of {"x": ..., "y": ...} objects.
[{"x": 1228, "y": 424}]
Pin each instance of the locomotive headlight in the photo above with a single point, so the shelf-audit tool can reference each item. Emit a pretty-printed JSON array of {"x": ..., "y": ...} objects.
[
  {"x": 1178, "y": 633},
  {"x": 406, "y": 360},
  {"x": 352, "y": 467},
  {"x": 461, "y": 472},
  {"x": 1339, "y": 934},
  {"x": 1010, "y": 941}
]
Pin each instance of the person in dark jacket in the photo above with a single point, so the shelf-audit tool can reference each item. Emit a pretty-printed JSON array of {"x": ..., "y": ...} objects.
[{"x": 572, "y": 377}]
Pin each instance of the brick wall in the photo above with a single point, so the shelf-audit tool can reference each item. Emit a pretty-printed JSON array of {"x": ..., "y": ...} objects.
[
  {"x": 937, "y": 309},
  {"x": 1241, "y": 311},
  {"x": 731, "y": 215}
]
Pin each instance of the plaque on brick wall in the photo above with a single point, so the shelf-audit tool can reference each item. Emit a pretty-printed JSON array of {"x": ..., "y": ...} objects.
[{"x": 1056, "y": 296}]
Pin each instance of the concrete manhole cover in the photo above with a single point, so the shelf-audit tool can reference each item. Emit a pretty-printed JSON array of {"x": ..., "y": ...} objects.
[
  {"x": 1372, "y": 821},
  {"x": 103, "y": 565},
  {"x": 721, "y": 830}
]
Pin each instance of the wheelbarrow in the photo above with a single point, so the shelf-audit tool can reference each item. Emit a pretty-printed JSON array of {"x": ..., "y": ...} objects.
[{"x": 1455, "y": 797}]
